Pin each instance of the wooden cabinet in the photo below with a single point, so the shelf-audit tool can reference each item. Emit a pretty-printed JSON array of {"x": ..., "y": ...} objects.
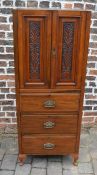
[{"x": 50, "y": 61}]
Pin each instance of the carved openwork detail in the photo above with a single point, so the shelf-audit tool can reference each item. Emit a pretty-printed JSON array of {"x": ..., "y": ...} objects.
[
  {"x": 34, "y": 49},
  {"x": 67, "y": 49}
]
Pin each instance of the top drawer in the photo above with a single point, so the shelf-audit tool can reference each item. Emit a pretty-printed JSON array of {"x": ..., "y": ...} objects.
[{"x": 63, "y": 102}]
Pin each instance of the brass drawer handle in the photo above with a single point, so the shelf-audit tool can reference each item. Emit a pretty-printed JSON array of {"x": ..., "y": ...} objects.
[
  {"x": 49, "y": 124},
  {"x": 49, "y": 146},
  {"x": 49, "y": 104}
]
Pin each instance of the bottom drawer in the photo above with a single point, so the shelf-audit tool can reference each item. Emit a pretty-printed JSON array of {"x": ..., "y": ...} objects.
[{"x": 48, "y": 145}]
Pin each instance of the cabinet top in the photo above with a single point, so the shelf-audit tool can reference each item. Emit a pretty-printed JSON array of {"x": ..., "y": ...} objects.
[{"x": 52, "y": 9}]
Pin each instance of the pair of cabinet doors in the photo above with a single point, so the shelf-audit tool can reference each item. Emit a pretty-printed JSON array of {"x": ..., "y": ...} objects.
[{"x": 51, "y": 48}]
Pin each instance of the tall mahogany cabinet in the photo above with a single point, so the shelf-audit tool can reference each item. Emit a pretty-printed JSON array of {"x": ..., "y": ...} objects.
[{"x": 50, "y": 61}]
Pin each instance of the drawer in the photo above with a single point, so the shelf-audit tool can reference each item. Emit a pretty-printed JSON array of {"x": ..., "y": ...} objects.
[
  {"x": 48, "y": 145},
  {"x": 66, "y": 124},
  {"x": 49, "y": 103}
]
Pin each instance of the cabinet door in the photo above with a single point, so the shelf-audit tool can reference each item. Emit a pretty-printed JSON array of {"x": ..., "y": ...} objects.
[
  {"x": 67, "y": 49},
  {"x": 34, "y": 42}
]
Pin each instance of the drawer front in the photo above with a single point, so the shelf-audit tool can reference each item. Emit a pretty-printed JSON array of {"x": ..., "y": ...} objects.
[
  {"x": 65, "y": 124},
  {"x": 49, "y": 103},
  {"x": 48, "y": 145}
]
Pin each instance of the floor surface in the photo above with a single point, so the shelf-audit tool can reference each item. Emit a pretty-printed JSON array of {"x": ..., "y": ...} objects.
[{"x": 50, "y": 165}]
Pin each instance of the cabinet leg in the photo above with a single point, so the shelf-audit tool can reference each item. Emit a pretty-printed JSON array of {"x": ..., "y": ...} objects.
[
  {"x": 22, "y": 158},
  {"x": 75, "y": 159}
]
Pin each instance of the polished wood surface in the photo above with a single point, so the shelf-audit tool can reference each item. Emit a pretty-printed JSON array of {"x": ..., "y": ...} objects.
[
  {"x": 25, "y": 18},
  {"x": 74, "y": 81},
  {"x": 51, "y": 49},
  {"x": 60, "y": 144},
  {"x": 45, "y": 124},
  {"x": 62, "y": 102}
]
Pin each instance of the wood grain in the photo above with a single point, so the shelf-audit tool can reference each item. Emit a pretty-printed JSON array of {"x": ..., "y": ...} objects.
[
  {"x": 46, "y": 93},
  {"x": 35, "y": 144},
  {"x": 63, "y": 102},
  {"x": 39, "y": 41},
  {"x": 31, "y": 124}
]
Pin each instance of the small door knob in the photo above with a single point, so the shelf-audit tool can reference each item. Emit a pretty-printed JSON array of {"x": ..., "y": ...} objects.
[{"x": 53, "y": 51}]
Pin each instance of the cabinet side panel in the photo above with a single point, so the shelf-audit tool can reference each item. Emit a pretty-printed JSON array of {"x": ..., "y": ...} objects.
[
  {"x": 15, "y": 30},
  {"x": 87, "y": 16}
]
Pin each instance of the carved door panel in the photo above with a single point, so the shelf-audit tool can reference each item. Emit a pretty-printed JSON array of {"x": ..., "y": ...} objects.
[
  {"x": 67, "y": 49},
  {"x": 34, "y": 33}
]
